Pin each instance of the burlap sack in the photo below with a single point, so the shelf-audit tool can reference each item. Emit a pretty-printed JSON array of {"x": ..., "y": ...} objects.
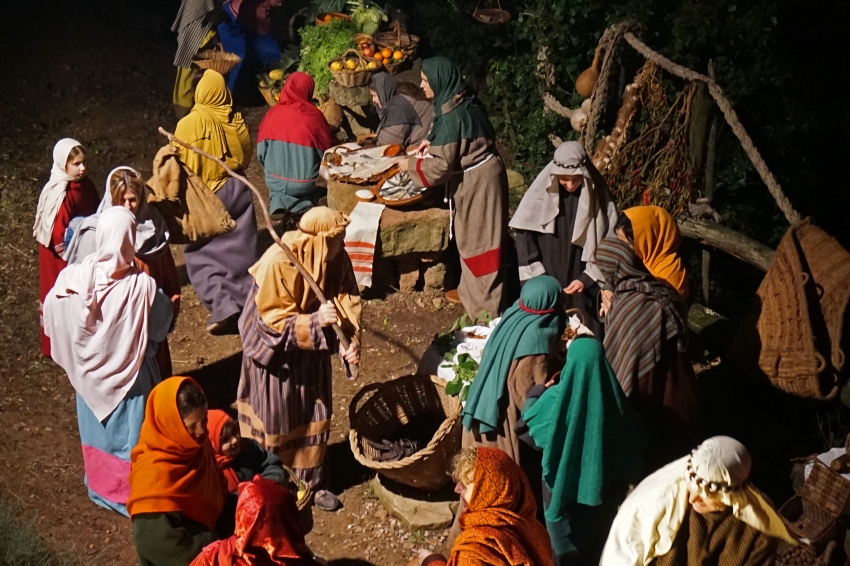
[{"x": 191, "y": 210}]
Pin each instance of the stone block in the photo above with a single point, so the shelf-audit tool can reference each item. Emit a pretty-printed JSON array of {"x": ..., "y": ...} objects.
[
  {"x": 420, "y": 231},
  {"x": 349, "y": 96},
  {"x": 408, "y": 272},
  {"x": 414, "y": 508},
  {"x": 435, "y": 276}
]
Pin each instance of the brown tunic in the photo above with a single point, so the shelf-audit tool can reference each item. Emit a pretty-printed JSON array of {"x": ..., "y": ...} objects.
[{"x": 718, "y": 539}]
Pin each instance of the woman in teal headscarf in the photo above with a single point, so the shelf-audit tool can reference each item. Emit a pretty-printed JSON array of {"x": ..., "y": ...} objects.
[
  {"x": 515, "y": 358},
  {"x": 462, "y": 150},
  {"x": 592, "y": 442}
]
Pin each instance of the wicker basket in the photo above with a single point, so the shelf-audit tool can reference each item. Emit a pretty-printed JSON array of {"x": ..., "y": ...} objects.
[
  {"x": 395, "y": 39},
  {"x": 320, "y": 19},
  {"x": 304, "y": 503},
  {"x": 267, "y": 94},
  {"x": 394, "y": 404},
  {"x": 813, "y": 514},
  {"x": 396, "y": 67},
  {"x": 349, "y": 78},
  {"x": 491, "y": 15},
  {"x": 217, "y": 60},
  {"x": 364, "y": 38}
]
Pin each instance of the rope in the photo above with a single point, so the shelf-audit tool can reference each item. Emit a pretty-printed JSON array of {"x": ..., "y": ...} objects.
[
  {"x": 725, "y": 106},
  {"x": 599, "y": 96}
]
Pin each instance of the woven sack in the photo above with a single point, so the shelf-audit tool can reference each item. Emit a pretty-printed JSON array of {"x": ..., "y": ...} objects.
[{"x": 191, "y": 210}]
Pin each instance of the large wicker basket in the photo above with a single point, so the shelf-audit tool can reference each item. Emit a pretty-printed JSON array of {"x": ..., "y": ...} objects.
[
  {"x": 394, "y": 404},
  {"x": 217, "y": 60},
  {"x": 397, "y": 40}
]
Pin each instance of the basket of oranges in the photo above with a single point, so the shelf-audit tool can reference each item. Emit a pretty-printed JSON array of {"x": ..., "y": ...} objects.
[
  {"x": 393, "y": 60},
  {"x": 353, "y": 71},
  {"x": 395, "y": 40},
  {"x": 327, "y": 17}
]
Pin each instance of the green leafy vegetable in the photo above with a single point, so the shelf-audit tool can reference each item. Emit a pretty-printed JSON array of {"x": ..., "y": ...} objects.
[
  {"x": 465, "y": 369},
  {"x": 322, "y": 44},
  {"x": 367, "y": 15}
]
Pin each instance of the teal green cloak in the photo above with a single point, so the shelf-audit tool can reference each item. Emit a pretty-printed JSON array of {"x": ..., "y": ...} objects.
[
  {"x": 588, "y": 431},
  {"x": 528, "y": 328},
  {"x": 464, "y": 118}
]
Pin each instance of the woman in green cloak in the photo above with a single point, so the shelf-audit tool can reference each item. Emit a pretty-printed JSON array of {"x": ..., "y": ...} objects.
[{"x": 462, "y": 154}]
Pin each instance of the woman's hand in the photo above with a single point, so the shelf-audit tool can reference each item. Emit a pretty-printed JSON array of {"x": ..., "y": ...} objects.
[
  {"x": 327, "y": 315},
  {"x": 352, "y": 355},
  {"x": 422, "y": 150},
  {"x": 575, "y": 287},
  {"x": 404, "y": 165},
  {"x": 607, "y": 299}
]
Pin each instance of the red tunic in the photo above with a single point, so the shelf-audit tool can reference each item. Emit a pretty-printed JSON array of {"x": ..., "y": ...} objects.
[
  {"x": 161, "y": 267},
  {"x": 81, "y": 199}
]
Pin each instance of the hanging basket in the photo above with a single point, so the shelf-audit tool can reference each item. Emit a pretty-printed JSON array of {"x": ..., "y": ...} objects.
[
  {"x": 491, "y": 15},
  {"x": 394, "y": 404},
  {"x": 217, "y": 60}
]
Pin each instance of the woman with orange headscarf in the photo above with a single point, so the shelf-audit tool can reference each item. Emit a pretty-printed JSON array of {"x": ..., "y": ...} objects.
[
  {"x": 177, "y": 491},
  {"x": 267, "y": 531},
  {"x": 284, "y": 398},
  {"x": 498, "y": 524}
]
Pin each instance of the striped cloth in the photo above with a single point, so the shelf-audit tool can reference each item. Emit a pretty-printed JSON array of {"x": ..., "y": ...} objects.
[
  {"x": 360, "y": 237},
  {"x": 645, "y": 314},
  {"x": 284, "y": 396},
  {"x": 194, "y": 20}
]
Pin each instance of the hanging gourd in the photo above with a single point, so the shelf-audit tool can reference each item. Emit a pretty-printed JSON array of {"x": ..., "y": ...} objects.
[
  {"x": 587, "y": 79},
  {"x": 491, "y": 15}
]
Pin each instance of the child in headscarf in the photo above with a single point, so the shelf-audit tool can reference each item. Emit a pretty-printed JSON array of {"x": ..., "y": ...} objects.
[
  {"x": 67, "y": 195},
  {"x": 293, "y": 137},
  {"x": 561, "y": 219},
  {"x": 700, "y": 509},
  {"x": 284, "y": 397},
  {"x": 405, "y": 113},
  {"x": 240, "y": 459},
  {"x": 462, "y": 149},
  {"x": 218, "y": 268}
]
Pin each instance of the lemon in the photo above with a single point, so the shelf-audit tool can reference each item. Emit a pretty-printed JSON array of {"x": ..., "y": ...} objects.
[
  {"x": 351, "y": 64},
  {"x": 276, "y": 74},
  {"x": 301, "y": 494},
  {"x": 336, "y": 66},
  {"x": 371, "y": 65}
]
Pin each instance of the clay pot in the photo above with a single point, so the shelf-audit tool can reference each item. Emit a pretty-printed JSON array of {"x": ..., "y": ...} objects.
[{"x": 587, "y": 79}]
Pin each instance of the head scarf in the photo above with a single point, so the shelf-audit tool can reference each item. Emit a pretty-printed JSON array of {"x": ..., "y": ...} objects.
[
  {"x": 596, "y": 215},
  {"x": 588, "y": 431},
  {"x": 394, "y": 109},
  {"x": 96, "y": 316},
  {"x": 267, "y": 531},
  {"x": 657, "y": 241},
  {"x": 216, "y": 128},
  {"x": 652, "y": 514},
  {"x": 295, "y": 119},
  {"x": 526, "y": 329},
  {"x": 282, "y": 291},
  {"x": 53, "y": 193},
  {"x": 170, "y": 471},
  {"x": 645, "y": 314},
  {"x": 499, "y": 526},
  {"x": 457, "y": 115},
  {"x": 216, "y": 419}
]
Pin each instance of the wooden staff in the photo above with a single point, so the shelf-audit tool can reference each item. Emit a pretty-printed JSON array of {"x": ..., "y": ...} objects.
[{"x": 352, "y": 368}]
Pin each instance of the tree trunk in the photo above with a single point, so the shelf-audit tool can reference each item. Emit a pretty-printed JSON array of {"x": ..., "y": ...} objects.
[{"x": 728, "y": 240}]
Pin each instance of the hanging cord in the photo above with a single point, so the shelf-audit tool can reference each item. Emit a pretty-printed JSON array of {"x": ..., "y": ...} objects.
[{"x": 609, "y": 43}]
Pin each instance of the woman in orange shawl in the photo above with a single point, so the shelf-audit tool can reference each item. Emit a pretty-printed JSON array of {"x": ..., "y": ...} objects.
[
  {"x": 498, "y": 525},
  {"x": 654, "y": 236},
  {"x": 176, "y": 489},
  {"x": 267, "y": 531}
]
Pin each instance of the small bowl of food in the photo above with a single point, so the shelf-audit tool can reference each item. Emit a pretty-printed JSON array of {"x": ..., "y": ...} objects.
[{"x": 364, "y": 195}]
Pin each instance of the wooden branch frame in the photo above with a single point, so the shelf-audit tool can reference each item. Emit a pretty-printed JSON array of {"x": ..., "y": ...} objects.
[{"x": 728, "y": 240}]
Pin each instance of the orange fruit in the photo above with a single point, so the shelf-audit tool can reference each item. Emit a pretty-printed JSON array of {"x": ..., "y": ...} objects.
[
  {"x": 328, "y": 18},
  {"x": 386, "y": 53},
  {"x": 398, "y": 55},
  {"x": 367, "y": 52},
  {"x": 378, "y": 56}
]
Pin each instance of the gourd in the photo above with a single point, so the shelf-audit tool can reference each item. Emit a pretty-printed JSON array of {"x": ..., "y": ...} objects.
[{"x": 587, "y": 79}]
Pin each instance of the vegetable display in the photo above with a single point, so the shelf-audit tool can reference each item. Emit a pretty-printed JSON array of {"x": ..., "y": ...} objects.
[{"x": 320, "y": 46}]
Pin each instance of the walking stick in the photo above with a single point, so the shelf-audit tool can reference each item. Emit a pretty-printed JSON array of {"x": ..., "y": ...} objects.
[{"x": 352, "y": 368}]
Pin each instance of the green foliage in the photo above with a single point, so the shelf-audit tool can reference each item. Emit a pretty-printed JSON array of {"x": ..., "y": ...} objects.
[
  {"x": 20, "y": 545},
  {"x": 367, "y": 15},
  {"x": 322, "y": 44},
  {"x": 465, "y": 369}
]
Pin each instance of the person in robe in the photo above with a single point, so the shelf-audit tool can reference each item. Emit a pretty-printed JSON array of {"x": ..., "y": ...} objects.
[
  {"x": 67, "y": 195},
  {"x": 124, "y": 187},
  {"x": 516, "y": 357},
  {"x": 462, "y": 150},
  {"x": 559, "y": 222},
  {"x": 700, "y": 509},
  {"x": 177, "y": 492},
  {"x": 497, "y": 521},
  {"x": 284, "y": 397},
  {"x": 105, "y": 319},
  {"x": 218, "y": 268},
  {"x": 405, "y": 113},
  {"x": 655, "y": 237},
  {"x": 195, "y": 26},
  {"x": 247, "y": 32},
  {"x": 646, "y": 341},
  {"x": 592, "y": 443},
  {"x": 240, "y": 459},
  {"x": 293, "y": 137},
  {"x": 267, "y": 531}
]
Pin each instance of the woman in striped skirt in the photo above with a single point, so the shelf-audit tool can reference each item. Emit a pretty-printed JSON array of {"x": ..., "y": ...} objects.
[
  {"x": 646, "y": 333},
  {"x": 284, "y": 397}
]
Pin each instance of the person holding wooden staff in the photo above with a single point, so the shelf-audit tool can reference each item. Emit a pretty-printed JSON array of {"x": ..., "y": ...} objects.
[{"x": 284, "y": 397}]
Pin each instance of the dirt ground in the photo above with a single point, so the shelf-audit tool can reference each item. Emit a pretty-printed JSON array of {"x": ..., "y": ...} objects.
[{"x": 102, "y": 72}]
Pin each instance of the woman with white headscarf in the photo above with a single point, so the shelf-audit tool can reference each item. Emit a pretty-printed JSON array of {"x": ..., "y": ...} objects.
[
  {"x": 68, "y": 194},
  {"x": 700, "y": 509},
  {"x": 105, "y": 318},
  {"x": 125, "y": 188},
  {"x": 565, "y": 213}
]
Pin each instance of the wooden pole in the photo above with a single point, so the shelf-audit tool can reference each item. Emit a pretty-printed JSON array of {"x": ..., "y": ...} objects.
[
  {"x": 708, "y": 187},
  {"x": 353, "y": 369}
]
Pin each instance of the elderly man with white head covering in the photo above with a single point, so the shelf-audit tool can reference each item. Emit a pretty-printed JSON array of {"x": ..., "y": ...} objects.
[
  {"x": 700, "y": 509},
  {"x": 565, "y": 213}
]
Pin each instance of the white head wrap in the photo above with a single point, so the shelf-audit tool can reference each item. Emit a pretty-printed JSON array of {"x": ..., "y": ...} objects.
[
  {"x": 653, "y": 513},
  {"x": 53, "y": 193},
  {"x": 596, "y": 215}
]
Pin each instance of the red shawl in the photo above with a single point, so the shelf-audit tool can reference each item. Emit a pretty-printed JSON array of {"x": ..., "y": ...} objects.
[
  {"x": 216, "y": 420},
  {"x": 267, "y": 531},
  {"x": 295, "y": 120}
]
